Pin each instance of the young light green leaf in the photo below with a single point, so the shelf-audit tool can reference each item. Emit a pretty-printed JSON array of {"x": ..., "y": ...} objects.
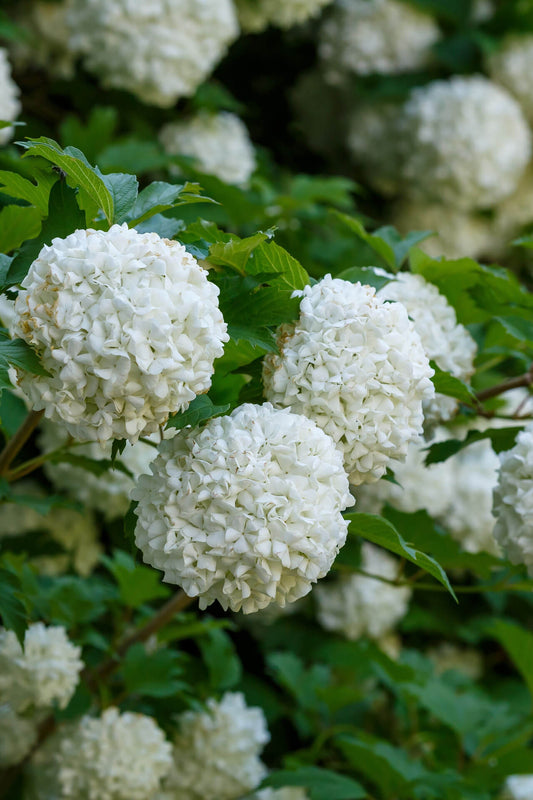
[
  {"x": 200, "y": 410},
  {"x": 451, "y": 386},
  {"x": 35, "y": 191},
  {"x": 17, "y": 224}
]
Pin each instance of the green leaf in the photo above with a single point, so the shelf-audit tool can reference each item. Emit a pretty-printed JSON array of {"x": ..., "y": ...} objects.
[
  {"x": 519, "y": 645},
  {"x": 36, "y": 191},
  {"x": 93, "y": 136},
  {"x": 304, "y": 684},
  {"x": 221, "y": 659},
  {"x": 152, "y": 674},
  {"x": 200, "y": 410},
  {"x": 18, "y": 223},
  {"x": 96, "y": 466},
  {"x": 322, "y": 784},
  {"x": 64, "y": 217},
  {"x": 451, "y": 386},
  {"x": 385, "y": 241},
  {"x": 380, "y": 531},
  {"x": 137, "y": 584},
  {"x": 500, "y": 438},
  {"x": 75, "y": 165},
  {"x": 123, "y": 189},
  {"x": 365, "y": 275},
  {"x": 16, "y": 353},
  {"x": 269, "y": 257},
  {"x": 235, "y": 252},
  {"x": 387, "y": 766},
  {"x": 12, "y": 611},
  {"x": 159, "y": 196},
  {"x": 13, "y": 412}
]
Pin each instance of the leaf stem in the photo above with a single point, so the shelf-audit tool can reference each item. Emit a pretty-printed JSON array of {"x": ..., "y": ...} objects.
[{"x": 18, "y": 440}]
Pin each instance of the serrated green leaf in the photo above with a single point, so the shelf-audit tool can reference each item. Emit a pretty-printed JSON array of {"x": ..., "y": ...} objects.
[
  {"x": 201, "y": 409},
  {"x": 321, "y": 784},
  {"x": 16, "y": 353},
  {"x": 380, "y": 531},
  {"x": 123, "y": 189},
  {"x": 235, "y": 252},
  {"x": 17, "y": 224},
  {"x": 64, "y": 217},
  {"x": 75, "y": 165},
  {"x": 451, "y": 386},
  {"x": 269, "y": 257},
  {"x": 35, "y": 191}
]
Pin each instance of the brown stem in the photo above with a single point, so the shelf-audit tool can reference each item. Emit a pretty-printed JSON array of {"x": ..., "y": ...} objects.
[
  {"x": 514, "y": 383},
  {"x": 176, "y": 604},
  {"x": 173, "y": 606},
  {"x": 17, "y": 442}
]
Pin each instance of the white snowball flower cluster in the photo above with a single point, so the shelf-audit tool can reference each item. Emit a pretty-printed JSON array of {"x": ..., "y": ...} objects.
[
  {"x": 256, "y": 15},
  {"x": 17, "y": 736},
  {"x": 355, "y": 605},
  {"x": 511, "y": 64},
  {"x": 7, "y": 312},
  {"x": 219, "y": 143},
  {"x": 445, "y": 341},
  {"x": 513, "y": 501},
  {"x": 518, "y": 787},
  {"x": 459, "y": 234},
  {"x": 376, "y": 36},
  {"x": 127, "y": 325},
  {"x": 355, "y": 365},
  {"x": 466, "y": 143},
  {"x": 447, "y": 656},
  {"x": 160, "y": 50},
  {"x": 246, "y": 510},
  {"x": 117, "y": 756},
  {"x": 9, "y": 97},
  {"x": 216, "y": 751},
  {"x": 109, "y": 492},
  {"x": 44, "y": 672},
  {"x": 375, "y": 146}
]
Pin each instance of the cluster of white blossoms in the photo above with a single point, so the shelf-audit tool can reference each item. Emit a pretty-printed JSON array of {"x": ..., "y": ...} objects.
[
  {"x": 445, "y": 341},
  {"x": 160, "y": 50},
  {"x": 45, "y": 671},
  {"x": 375, "y": 146},
  {"x": 256, "y": 15},
  {"x": 18, "y": 734},
  {"x": 518, "y": 787},
  {"x": 513, "y": 501},
  {"x": 218, "y": 142},
  {"x": 117, "y": 756},
  {"x": 447, "y": 656},
  {"x": 356, "y": 605},
  {"x": 510, "y": 66},
  {"x": 465, "y": 143},
  {"x": 216, "y": 751},
  {"x": 9, "y": 97},
  {"x": 376, "y": 36},
  {"x": 109, "y": 492},
  {"x": 355, "y": 365},
  {"x": 246, "y": 510},
  {"x": 117, "y": 369},
  {"x": 459, "y": 234}
]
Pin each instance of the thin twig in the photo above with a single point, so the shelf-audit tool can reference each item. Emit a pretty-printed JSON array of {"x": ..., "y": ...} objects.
[
  {"x": 514, "y": 383},
  {"x": 17, "y": 442}
]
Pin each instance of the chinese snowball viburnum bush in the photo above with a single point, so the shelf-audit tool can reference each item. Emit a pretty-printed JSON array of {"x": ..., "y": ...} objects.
[
  {"x": 246, "y": 511},
  {"x": 117, "y": 370}
]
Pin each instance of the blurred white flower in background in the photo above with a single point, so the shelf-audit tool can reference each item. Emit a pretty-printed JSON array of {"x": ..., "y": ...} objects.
[
  {"x": 9, "y": 97},
  {"x": 256, "y": 15}
]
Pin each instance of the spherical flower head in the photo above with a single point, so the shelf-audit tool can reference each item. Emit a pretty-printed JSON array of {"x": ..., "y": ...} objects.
[
  {"x": 246, "y": 510},
  {"x": 17, "y": 736},
  {"x": 113, "y": 757},
  {"x": 445, "y": 341},
  {"x": 109, "y": 492},
  {"x": 9, "y": 97},
  {"x": 375, "y": 146},
  {"x": 256, "y": 15},
  {"x": 47, "y": 43},
  {"x": 216, "y": 751},
  {"x": 518, "y": 787},
  {"x": 513, "y": 501},
  {"x": 355, "y": 605},
  {"x": 363, "y": 37},
  {"x": 465, "y": 143},
  {"x": 45, "y": 671},
  {"x": 355, "y": 365},
  {"x": 160, "y": 50},
  {"x": 447, "y": 656},
  {"x": 128, "y": 327},
  {"x": 218, "y": 142},
  {"x": 510, "y": 66},
  {"x": 459, "y": 234}
]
